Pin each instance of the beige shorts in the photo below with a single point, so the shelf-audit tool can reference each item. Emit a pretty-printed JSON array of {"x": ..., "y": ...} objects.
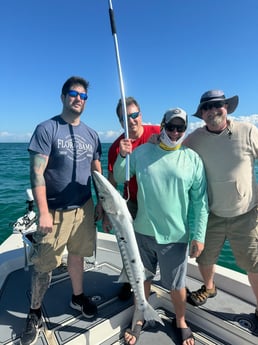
[
  {"x": 74, "y": 229},
  {"x": 242, "y": 234}
]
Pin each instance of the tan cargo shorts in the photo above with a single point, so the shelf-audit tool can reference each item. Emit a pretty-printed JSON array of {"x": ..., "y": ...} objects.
[
  {"x": 74, "y": 229},
  {"x": 242, "y": 234}
]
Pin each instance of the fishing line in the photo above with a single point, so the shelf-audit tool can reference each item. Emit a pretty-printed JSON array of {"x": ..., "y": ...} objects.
[{"x": 125, "y": 119}]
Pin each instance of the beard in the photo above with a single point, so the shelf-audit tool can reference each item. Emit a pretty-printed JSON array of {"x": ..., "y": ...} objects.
[
  {"x": 215, "y": 120},
  {"x": 75, "y": 111}
]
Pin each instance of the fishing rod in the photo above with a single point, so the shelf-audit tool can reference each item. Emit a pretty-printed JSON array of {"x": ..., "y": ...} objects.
[{"x": 125, "y": 119}]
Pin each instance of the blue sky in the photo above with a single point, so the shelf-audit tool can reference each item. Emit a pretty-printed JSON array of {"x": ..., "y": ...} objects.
[{"x": 171, "y": 52}]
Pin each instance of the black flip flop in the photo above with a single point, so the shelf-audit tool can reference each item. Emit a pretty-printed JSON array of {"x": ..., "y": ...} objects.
[
  {"x": 135, "y": 332},
  {"x": 182, "y": 333}
]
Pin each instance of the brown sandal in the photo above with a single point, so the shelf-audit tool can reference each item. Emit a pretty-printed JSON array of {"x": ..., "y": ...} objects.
[{"x": 200, "y": 296}]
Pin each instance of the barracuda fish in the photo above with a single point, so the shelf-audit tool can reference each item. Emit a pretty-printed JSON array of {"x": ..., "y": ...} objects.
[{"x": 116, "y": 209}]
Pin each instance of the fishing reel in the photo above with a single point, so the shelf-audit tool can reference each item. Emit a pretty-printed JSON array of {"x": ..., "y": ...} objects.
[{"x": 26, "y": 223}]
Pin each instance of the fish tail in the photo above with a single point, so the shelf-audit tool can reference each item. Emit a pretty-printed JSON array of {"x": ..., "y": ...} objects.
[{"x": 151, "y": 314}]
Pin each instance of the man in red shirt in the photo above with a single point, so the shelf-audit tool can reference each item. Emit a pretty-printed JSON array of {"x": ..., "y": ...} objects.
[{"x": 139, "y": 134}]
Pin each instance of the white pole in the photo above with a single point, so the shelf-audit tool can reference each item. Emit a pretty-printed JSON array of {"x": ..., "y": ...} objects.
[{"x": 125, "y": 119}]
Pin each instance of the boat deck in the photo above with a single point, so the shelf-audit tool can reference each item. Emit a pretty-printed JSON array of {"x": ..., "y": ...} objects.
[{"x": 224, "y": 319}]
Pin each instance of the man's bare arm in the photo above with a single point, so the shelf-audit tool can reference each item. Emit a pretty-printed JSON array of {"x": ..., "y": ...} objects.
[{"x": 38, "y": 163}]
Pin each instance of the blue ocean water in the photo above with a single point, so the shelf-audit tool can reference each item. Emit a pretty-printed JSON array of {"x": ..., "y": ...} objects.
[{"x": 14, "y": 180}]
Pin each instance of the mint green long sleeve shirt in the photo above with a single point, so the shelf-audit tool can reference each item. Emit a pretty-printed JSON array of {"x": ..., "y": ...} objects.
[{"x": 172, "y": 197}]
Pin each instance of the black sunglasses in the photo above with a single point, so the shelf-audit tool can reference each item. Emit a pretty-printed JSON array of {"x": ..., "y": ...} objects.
[
  {"x": 73, "y": 93},
  {"x": 210, "y": 105},
  {"x": 179, "y": 128}
]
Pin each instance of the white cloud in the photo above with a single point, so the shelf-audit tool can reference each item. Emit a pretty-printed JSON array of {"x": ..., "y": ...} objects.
[
  {"x": 4, "y": 134},
  {"x": 8, "y": 137},
  {"x": 109, "y": 136},
  {"x": 248, "y": 118}
]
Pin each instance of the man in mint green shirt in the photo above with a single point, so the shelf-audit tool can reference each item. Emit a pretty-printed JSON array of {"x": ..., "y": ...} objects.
[{"x": 172, "y": 209}]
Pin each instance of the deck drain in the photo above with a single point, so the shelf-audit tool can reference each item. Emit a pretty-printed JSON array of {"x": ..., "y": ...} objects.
[{"x": 245, "y": 321}]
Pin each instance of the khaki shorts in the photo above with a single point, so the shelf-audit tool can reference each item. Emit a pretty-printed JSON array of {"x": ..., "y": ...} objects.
[
  {"x": 242, "y": 234},
  {"x": 74, "y": 229}
]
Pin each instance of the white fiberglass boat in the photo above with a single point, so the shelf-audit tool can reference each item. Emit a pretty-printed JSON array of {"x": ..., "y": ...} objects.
[{"x": 227, "y": 318}]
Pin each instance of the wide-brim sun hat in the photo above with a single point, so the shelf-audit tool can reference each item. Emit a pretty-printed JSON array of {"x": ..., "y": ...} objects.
[
  {"x": 172, "y": 113},
  {"x": 216, "y": 95}
]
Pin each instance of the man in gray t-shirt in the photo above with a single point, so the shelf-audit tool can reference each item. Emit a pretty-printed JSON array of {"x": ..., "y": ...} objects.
[{"x": 63, "y": 153}]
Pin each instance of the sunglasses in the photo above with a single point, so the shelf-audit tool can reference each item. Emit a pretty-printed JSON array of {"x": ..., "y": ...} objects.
[
  {"x": 179, "y": 128},
  {"x": 73, "y": 93},
  {"x": 210, "y": 105},
  {"x": 132, "y": 116}
]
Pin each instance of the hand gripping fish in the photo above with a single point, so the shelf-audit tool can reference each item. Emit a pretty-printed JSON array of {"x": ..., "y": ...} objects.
[{"x": 116, "y": 209}]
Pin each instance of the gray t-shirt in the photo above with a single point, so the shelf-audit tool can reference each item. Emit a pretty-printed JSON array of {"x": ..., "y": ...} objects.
[{"x": 70, "y": 149}]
